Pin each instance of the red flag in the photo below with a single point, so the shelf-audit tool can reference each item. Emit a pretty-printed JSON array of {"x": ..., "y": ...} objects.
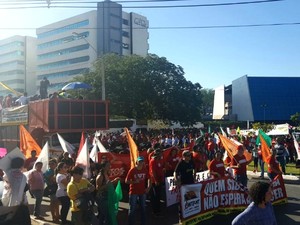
[
  {"x": 83, "y": 160},
  {"x": 27, "y": 143},
  {"x": 134, "y": 153},
  {"x": 82, "y": 141},
  {"x": 265, "y": 150}
]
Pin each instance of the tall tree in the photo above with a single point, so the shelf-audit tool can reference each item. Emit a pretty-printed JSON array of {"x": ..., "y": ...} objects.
[
  {"x": 146, "y": 88},
  {"x": 207, "y": 101}
]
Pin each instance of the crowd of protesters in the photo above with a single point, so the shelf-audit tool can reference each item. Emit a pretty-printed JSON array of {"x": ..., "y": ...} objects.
[{"x": 65, "y": 183}]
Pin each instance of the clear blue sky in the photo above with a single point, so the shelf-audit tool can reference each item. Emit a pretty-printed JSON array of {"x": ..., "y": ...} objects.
[{"x": 209, "y": 56}]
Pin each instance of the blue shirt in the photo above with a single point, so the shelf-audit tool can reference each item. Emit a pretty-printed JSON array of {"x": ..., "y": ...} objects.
[{"x": 253, "y": 215}]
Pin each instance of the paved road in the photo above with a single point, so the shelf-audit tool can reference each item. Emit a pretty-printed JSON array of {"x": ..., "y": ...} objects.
[{"x": 286, "y": 214}]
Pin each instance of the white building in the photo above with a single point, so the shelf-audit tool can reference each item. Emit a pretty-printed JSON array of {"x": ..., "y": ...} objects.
[
  {"x": 68, "y": 48},
  {"x": 18, "y": 64}
]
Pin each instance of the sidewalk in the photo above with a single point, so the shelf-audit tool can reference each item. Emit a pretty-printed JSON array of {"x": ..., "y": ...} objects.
[{"x": 287, "y": 178}]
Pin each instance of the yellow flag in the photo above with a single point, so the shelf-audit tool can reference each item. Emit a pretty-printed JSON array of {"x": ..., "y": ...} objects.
[
  {"x": 27, "y": 143},
  {"x": 10, "y": 89},
  {"x": 134, "y": 153}
]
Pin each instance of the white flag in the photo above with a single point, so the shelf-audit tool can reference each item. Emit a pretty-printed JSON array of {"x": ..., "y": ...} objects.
[
  {"x": 296, "y": 144},
  {"x": 102, "y": 149},
  {"x": 223, "y": 132},
  {"x": 66, "y": 146},
  {"x": 94, "y": 154},
  {"x": 83, "y": 160},
  {"x": 44, "y": 157}
]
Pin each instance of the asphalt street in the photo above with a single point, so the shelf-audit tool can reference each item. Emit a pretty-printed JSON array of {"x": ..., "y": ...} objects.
[{"x": 286, "y": 213}]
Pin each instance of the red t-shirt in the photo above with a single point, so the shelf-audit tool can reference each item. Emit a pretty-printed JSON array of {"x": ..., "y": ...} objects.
[
  {"x": 137, "y": 175},
  {"x": 272, "y": 161},
  {"x": 172, "y": 162},
  {"x": 29, "y": 163},
  {"x": 243, "y": 164},
  {"x": 157, "y": 166},
  {"x": 217, "y": 166},
  {"x": 199, "y": 161}
]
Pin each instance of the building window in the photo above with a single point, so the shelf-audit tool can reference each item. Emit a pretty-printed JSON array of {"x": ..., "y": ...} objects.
[
  {"x": 63, "y": 63},
  {"x": 63, "y": 52},
  {"x": 125, "y": 33},
  {"x": 125, "y": 46},
  {"x": 63, "y": 29},
  {"x": 63, "y": 74},
  {"x": 125, "y": 22}
]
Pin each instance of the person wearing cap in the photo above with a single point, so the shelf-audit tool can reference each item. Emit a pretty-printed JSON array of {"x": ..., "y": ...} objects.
[
  {"x": 216, "y": 166},
  {"x": 137, "y": 178},
  {"x": 157, "y": 175},
  {"x": 185, "y": 169}
]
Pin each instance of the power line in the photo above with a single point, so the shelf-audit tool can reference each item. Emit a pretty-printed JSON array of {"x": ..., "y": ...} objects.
[
  {"x": 44, "y": 5},
  {"x": 181, "y": 27}
]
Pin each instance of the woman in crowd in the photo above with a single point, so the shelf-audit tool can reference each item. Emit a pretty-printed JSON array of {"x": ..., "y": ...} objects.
[
  {"x": 62, "y": 180},
  {"x": 79, "y": 187},
  {"x": 36, "y": 184},
  {"x": 105, "y": 189},
  {"x": 49, "y": 177},
  {"x": 260, "y": 211}
]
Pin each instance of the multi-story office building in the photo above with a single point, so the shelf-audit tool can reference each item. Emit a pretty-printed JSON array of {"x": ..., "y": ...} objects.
[
  {"x": 69, "y": 48},
  {"x": 18, "y": 64},
  {"x": 259, "y": 99}
]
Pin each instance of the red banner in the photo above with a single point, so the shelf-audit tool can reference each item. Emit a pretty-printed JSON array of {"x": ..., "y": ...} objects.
[{"x": 203, "y": 200}]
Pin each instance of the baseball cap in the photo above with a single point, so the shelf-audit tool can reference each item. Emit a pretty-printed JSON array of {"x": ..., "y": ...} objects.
[
  {"x": 186, "y": 153},
  {"x": 140, "y": 158}
]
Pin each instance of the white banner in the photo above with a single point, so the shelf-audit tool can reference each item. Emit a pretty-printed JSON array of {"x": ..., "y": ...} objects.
[{"x": 172, "y": 192}]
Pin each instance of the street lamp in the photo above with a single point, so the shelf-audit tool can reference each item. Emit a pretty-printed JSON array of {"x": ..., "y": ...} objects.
[
  {"x": 81, "y": 36},
  {"x": 264, "y": 106}
]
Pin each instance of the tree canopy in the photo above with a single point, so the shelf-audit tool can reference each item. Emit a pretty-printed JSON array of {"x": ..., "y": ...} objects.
[{"x": 146, "y": 88}]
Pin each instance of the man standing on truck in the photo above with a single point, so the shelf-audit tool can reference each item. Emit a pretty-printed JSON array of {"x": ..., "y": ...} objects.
[{"x": 44, "y": 84}]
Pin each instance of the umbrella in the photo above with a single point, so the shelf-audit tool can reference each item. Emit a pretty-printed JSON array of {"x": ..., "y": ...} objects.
[{"x": 76, "y": 85}]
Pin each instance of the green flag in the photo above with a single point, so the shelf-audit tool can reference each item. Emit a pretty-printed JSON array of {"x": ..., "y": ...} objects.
[
  {"x": 114, "y": 196},
  {"x": 267, "y": 138},
  {"x": 119, "y": 196}
]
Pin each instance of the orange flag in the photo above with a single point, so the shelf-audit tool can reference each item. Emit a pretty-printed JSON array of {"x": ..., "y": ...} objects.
[
  {"x": 265, "y": 150},
  {"x": 229, "y": 146},
  {"x": 27, "y": 143},
  {"x": 134, "y": 153},
  {"x": 232, "y": 147}
]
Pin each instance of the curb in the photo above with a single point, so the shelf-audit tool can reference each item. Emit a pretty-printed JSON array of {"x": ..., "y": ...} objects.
[{"x": 291, "y": 179}]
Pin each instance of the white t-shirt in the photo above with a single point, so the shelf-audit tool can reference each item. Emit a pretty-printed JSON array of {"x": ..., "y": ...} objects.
[{"x": 61, "y": 189}]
